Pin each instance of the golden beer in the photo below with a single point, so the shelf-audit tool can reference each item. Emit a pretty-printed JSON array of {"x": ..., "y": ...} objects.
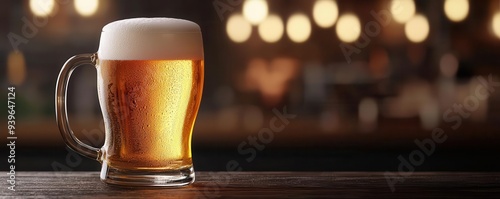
[
  {"x": 149, "y": 107},
  {"x": 149, "y": 80}
]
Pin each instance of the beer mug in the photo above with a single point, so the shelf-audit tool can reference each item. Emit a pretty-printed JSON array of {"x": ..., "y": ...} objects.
[{"x": 149, "y": 81}]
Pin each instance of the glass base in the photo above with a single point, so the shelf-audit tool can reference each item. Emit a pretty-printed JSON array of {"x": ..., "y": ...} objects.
[{"x": 170, "y": 178}]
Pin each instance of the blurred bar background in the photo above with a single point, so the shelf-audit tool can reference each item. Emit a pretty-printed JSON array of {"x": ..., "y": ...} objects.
[{"x": 365, "y": 79}]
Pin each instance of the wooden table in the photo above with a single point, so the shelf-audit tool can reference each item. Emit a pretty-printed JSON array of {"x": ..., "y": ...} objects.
[{"x": 266, "y": 185}]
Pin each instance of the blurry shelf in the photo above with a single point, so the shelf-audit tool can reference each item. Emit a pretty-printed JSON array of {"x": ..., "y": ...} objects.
[{"x": 300, "y": 132}]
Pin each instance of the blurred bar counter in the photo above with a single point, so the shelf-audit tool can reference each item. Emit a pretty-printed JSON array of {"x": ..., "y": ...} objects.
[
  {"x": 301, "y": 146},
  {"x": 301, "y": 132}
]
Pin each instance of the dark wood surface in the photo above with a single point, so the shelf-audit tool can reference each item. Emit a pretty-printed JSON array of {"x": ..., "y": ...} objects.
[{"x": 265, "y": 185}]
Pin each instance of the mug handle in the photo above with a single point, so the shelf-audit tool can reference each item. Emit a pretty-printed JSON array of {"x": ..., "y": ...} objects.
[{"x": 61, "y": 109}]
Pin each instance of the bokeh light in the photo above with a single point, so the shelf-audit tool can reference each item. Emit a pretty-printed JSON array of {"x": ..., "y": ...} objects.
[
  {"x": 495, "y": 24},
  {"x": 348, "y": 28},
  {"x": 16, "y": 68},
  {"x": 429, "y": 115},
  {"x": 402, "y": 10},
  {"x": 448, "y": 65},
  {"x": 456, "y": 10},
  {"x": 325, "y": 13},
  {"x": 417, "y": 29},
  {"x": 42, "y": 8},
  {"x": 271, "y": 29},
  {"x": 238, "y": 29},
  {"x": 298, "y": 28},
  {"x": 271, "y": 79},
  {"x": 368, "y": 113},
  {"x": 86, "y": 8},
  {"x": 255, "y": 11}
]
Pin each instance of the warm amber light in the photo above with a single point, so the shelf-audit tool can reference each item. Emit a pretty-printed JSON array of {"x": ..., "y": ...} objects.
[
  {"x": 325, "y": 13},
  {"x": 402, "y": 10},
  {"x": 271, "y": 29},
  {"x": 42, "y": 8},
  {"x": 255, "y": 11},
  {"x": 495, "y": 24},
  {"x": 417, "y": 29},
  {"x": 16, "y": 68},
  {"x": 86, "y": 8},
  {"x": 238, "y": 29},
  {"x": 271, "y": 79},
  {"x": 298, "y": 28},
  {"x": 456, "y": 10},
  {"x": 348, "y": 28}
]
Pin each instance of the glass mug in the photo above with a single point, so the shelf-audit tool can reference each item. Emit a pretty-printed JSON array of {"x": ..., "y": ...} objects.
[{"x": 149, "y": 79}]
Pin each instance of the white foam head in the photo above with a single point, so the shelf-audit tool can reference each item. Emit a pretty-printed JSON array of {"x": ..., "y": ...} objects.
[{"x": 151, "y": 39}]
